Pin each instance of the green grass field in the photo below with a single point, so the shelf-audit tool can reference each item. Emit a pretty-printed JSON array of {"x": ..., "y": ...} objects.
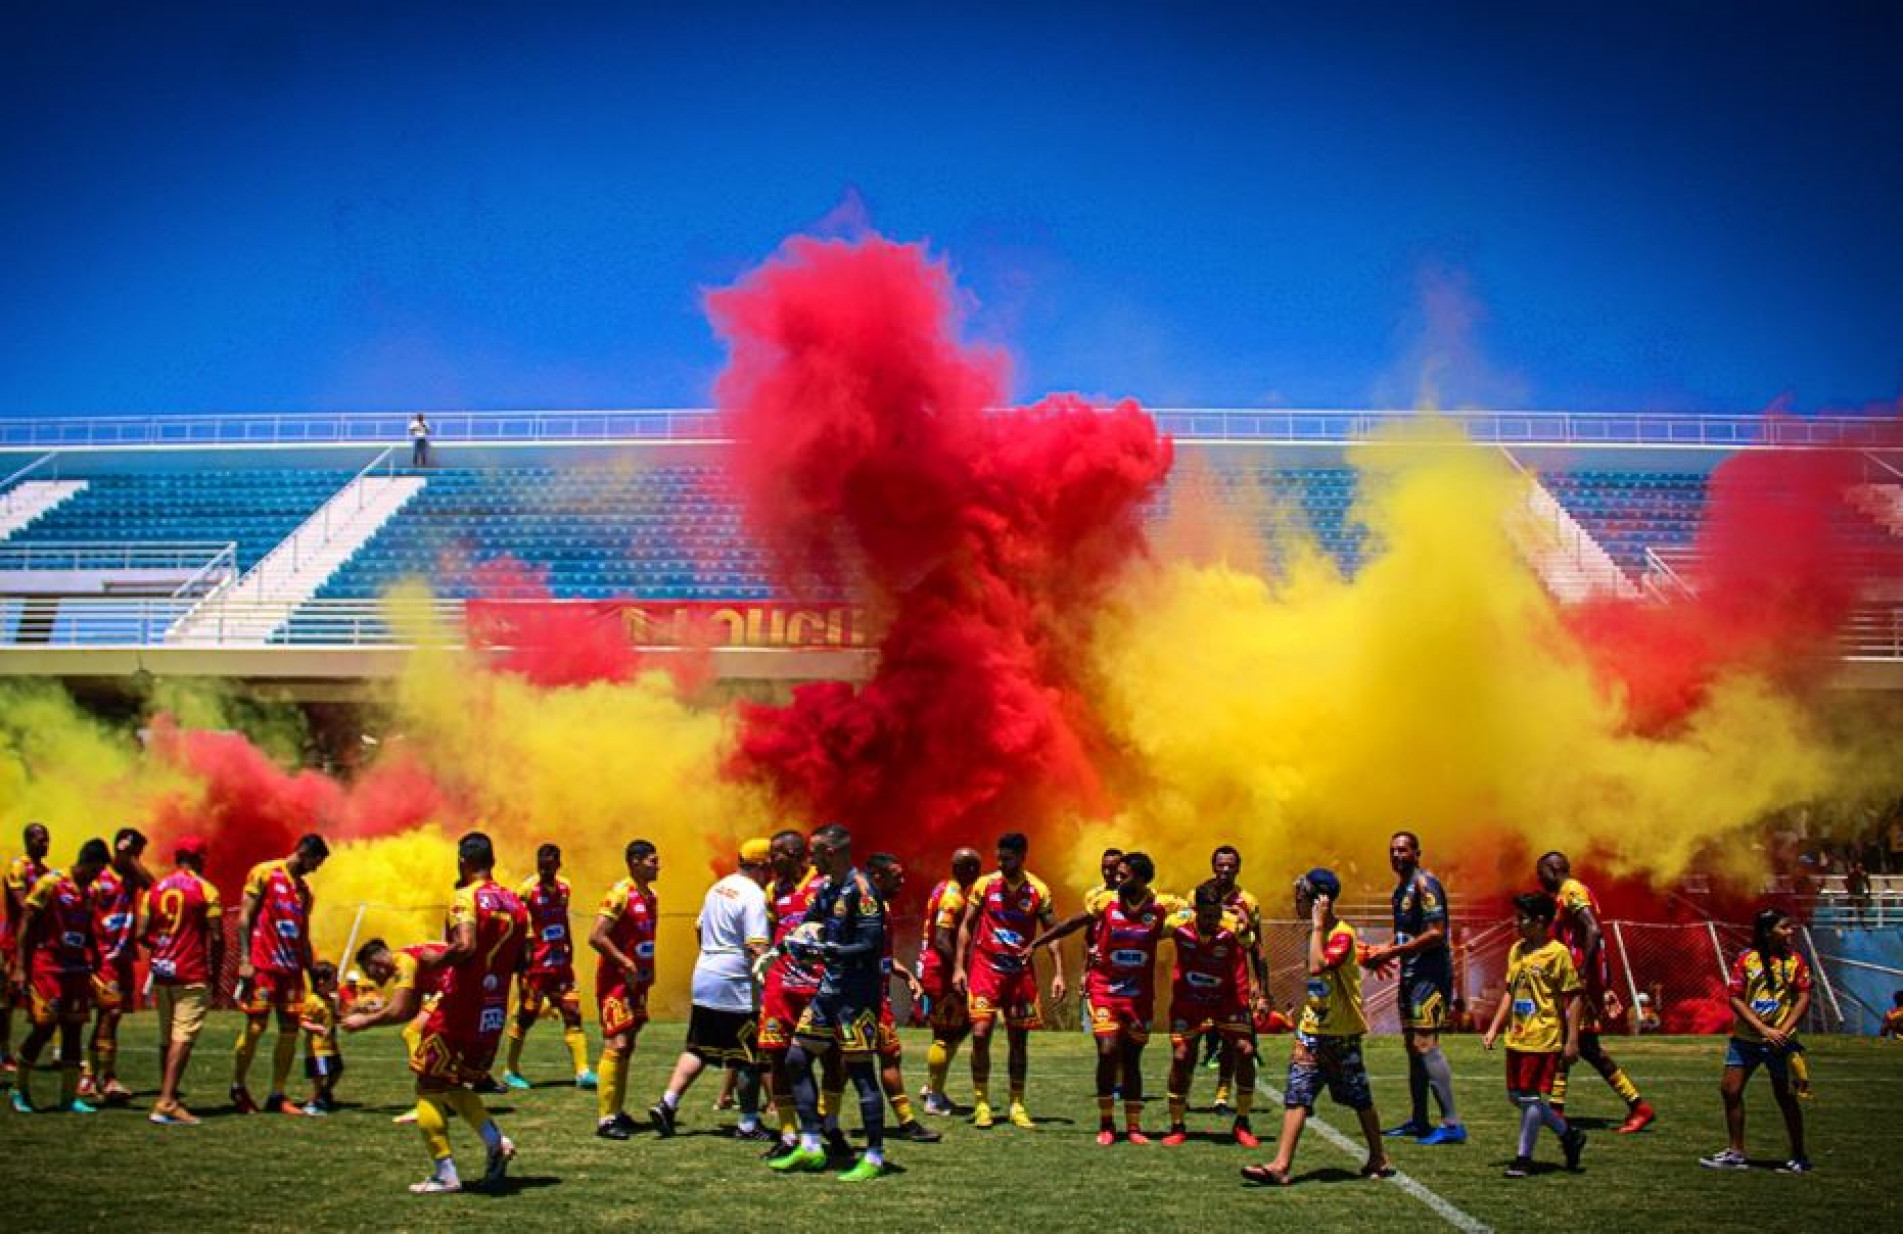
[{"x": 114, "y": 1171}]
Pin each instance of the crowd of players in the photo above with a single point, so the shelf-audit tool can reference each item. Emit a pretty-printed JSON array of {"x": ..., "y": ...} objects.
[{"x": 791, "y": 994}]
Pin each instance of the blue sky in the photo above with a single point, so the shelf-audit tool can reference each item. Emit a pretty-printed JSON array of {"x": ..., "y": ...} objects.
[{"x": 338, "y": 206}]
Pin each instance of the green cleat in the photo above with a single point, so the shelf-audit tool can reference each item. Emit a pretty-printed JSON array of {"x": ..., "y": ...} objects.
[
  {"x": 865, "y": 1171},
  {"x": 799, "y": 1161}
]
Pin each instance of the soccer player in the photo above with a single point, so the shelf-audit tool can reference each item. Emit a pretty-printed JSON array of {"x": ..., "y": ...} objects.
[
  {"x": 950, "y": 1015},
  {"x": 846, "y": 939},
  {"x": 22, "y": 872},
  {"x": 458, "y": 1038},
  {"x": 1119, "y": 987},
  {"x": 323, "y": 1061},
  {"x": 185, "y": 938},
  {"x": 790, "y": 980},
  {"x": 1576, "y": 924},
  {"x": 887, "y": 875},
  {"x": 115, "y": 893},
  {"x": 274, "y": 928},
  {"x": 1893, "y": 1018},
  {"x": 624, "y": 939},
  {"x": 1427, "y": 989},
  {"x": 55, "y": 956},
  {"x": 549, "y": 980},
  {"x": 1327, "y": 1047},
  {"x": 1770, "y": 992},
  {"x": 723, "y": 1027},
  {"x": 1225, "y": 866},
  {"x": 998, "y": 972},
  {"x": 1209, "y": 991},
  {"x": 1541, "y": 1012}
]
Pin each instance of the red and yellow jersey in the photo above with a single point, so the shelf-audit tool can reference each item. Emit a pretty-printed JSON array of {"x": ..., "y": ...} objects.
[
  {"x": 1574, "y": 897},
  {"x": 115, "y": 915},
  {"x": 411, "y": 975},
  {"x": 943, "y": 908},
  {"x": 632, "y": 915},
  {"x": 1246, "y": 911},
  {"x": 788, "y": 905},
  {"x": 1893, "y": 1023},
  {"x": 280, "y": 934},
  {"x": 318, "y": 1018},
  {"x": 551, "y": 950},
  {"x": 61, "y": 938},
  {"x": 22, "y": 872},
  {"x": 1539, "y": 980},
  {"x": 475, "y": 999},
  {"x": 1009, "y": 914},
  {"x": 1123, "y": 942},
  {"x": 181, "y": 911},
  {"x": 1332, "y": 1007},
  {"x": 1208, "y": 971},
  {"x": 1770, "y": 986}
]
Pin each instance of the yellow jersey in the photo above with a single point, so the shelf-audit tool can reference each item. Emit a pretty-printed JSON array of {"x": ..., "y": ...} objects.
[
  {"x": 1539, "y": 980},
  {"x": 1333, "y": 1004}
]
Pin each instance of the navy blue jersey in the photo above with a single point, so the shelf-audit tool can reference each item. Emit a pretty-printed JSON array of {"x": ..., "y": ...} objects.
[
  {"x": 1419, "y": 902},
  {"x": 852, "y": 920}
]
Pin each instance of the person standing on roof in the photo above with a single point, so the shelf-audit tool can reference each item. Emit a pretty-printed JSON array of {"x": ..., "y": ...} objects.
[{"x": 419, "y": 441}]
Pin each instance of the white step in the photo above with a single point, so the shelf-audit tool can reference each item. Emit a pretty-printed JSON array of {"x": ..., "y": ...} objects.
[
  {"x": 257, "y": 606},
  {"x": 29, "y": 499},
  {"x": 1572, "y": 564}
]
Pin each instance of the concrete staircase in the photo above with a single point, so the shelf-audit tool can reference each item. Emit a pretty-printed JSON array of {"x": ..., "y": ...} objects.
[
  {"x": 1572, "y": 564},
  {"x": 29, "y": 499},
  {"x": 254, "y": 608}
]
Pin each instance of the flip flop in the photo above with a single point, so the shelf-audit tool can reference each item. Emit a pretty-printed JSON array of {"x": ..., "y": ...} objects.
[{"x": 1265, "y": 1176}]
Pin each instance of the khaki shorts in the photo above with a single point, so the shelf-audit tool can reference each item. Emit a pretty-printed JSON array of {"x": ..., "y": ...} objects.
[{"x": 181, "y": 1011}]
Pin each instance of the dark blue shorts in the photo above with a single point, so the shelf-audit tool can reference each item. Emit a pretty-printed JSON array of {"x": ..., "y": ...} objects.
[
  {"x": 841, "y": 1020},
  {"x": 1334, "y": 1062},
  {"x": 1750, "y": 1055}
]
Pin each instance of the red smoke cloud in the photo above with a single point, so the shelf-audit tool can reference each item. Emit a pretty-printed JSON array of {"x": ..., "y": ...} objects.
[
  {"x": 551, "y": 643},
  {"x": 864, "y": 452},
  {"x": 1781, "y": 560}
]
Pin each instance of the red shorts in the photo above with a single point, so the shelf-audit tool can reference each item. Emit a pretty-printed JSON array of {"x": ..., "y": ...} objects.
[
  {"x": 59, "y": 998},
  {"x": 1531, "y": 1073},
  {"x": 1012, "y": 995},
  {"x": 546, "y": 988},
  {"x": 890, "y": 1047},
  {"x": 282, "y": 992},
  {"x": 623, "y": 1008},
  {"x": 1188, "y": 1022},
  {"x": 113, "y": 987},
  {"x": 1111, "y": 1016},
  {"x": 950, "y": 1012},
  {"x": 780, "y": 1012}
]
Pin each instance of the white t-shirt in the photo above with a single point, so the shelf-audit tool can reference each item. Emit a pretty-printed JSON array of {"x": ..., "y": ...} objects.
[{"x": 733, "y": 914}]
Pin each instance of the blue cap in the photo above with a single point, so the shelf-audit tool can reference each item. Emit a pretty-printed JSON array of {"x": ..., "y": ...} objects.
[{"x": 1321, "y": 882}]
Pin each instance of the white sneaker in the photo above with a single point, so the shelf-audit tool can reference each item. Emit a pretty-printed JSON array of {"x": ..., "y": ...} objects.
[
  {"x": 435, "y": 1186},
  {"x": 1730, "y": 1159}
]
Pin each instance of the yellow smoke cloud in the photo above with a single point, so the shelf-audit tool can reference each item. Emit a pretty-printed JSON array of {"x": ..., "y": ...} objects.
[{"x": 78, "y": 775}]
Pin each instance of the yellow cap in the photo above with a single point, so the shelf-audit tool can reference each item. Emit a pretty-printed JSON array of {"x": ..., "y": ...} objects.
[{"x": 756, "y": 850}]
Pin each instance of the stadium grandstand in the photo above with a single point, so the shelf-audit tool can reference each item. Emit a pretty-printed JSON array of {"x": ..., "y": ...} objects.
[{"x": 260, "y": 548}]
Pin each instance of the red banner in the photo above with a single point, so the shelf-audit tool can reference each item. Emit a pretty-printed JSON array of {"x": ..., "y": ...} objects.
[{"x": 746, "y": 623}]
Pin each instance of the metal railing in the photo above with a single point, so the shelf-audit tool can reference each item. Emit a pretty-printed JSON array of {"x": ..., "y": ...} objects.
[
  {"x": 195, "y": 555},
  {"x": 316, "y": 533},
  {"x": 1290, "y": 425},
  {"x": 9, "y": 487}
]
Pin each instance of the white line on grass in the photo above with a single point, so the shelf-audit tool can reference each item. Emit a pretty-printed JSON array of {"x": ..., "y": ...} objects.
[{"x": 1445, "y": 1210}]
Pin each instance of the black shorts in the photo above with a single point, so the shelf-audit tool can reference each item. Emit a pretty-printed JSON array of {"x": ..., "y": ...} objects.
[
  {"x": 716, "y": 1036},
  {"x": 847, "y": 1020},
  {"x": 323, "y": 1066}
]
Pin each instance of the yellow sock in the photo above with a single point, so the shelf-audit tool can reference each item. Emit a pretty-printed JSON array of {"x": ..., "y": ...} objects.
[
  {"x": 1106, "y": 1107},
  {"x": 938, "y": 1059},
  {"x": 1558, "y": 1096},
  {"x": 1179, "y": 1108},
  {"x": 829, "y": 1101},
  {"x": 577, "y": 1047},
  {"x": 516, "y": 1037},
  {"x": 247, "y": 1049},
  {"x": 434, "y": 1126},
  {"x": 789, "y": 1118},
  {"x": 1623, "y": 1085},
  {"x": 981, "y": 1093},
  {"x": 470, "y": 1106},
  {"x": 1017, "y": 1094},
  {"x": 1800, "y": 1075},
  {"x": 1222, "y": 1092},
  {"x": 282, "y": 1056},
  {"x": 1245, "y": 1101},
  {"x": 608, "y": 1094},
  {"x": 1132, "y": 1112},
  {"x": 902, "y": 1106},
  {"x": 622, "y": 1062}
]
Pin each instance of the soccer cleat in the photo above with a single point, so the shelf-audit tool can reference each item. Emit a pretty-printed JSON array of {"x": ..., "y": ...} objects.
[
  {"x": 778, "y": 1149},
  {"x": 488, "y": 1087},
  {"x": 838, "y": 1147},
  {"x": 1573, "y": 1143},
  {"x": 408, "y": 1116},
  {"x": 609, "y": 1129},
  {"x": 663, "y": 1116},
  {"x": 1796, "y": 1165},
  {"x": 88, "y": 1088},
  {"x": 864, "y": 1171},
  {"x": 1729, "y": 1159},
  {"x": 916, "y": 1132},
  {"x": 799, "y": 1161},
  {"x": 20, "y": 1104},
  {"x": 1221, "y": 1106},
  {"x": 1642, "y": 1116},
  {"x": 1245, "y": 1136},
  {"x": 77, "y": 1106},
  {"x": 315, "y": 1109},
  {"x": 174, "y": 1115},
  {"x": 435, "y": 1186},
  {"x": 937, "y": 1106},
  {"x": 587, "y": 1080},
  {"x": 1106, "y": 1137},
  {"x": 981, "y": 1116},
  {"x": 1520, "y": 1167},
  {"x": 115, "y": 1091},
  {"x": 1410, "y": 1130},
  {"x": 1135, "y": 1135},
  {"x": 512, "y": 1080},
  {"x": 1178, "y": 1136},
  {"x": 277, "y": 1103},
  {"x": 1021, "y": 1117},
  {"x": 1444, "y": 1134},
  {"x": 241, "y": 1102},
  {"x": 756, "y": 1133},
  {"x": 624, "y": 1119},
  {"x": 497, "y": 1167}
]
